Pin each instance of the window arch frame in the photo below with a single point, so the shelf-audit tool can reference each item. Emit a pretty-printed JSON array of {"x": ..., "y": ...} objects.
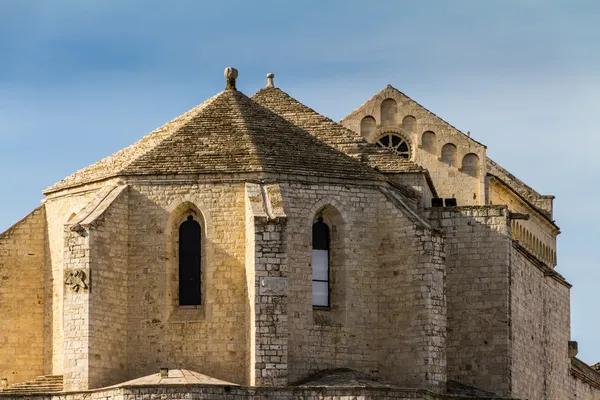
[
  {"x": 321, "y": 242},
  {"x": 335, "y": 217},
  {"x": 190, "y": 231},
  {"x": 179, "y": 210},
  {"x": 390, "y": 146}
]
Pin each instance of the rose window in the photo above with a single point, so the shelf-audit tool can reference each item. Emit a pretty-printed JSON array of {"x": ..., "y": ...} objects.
[{"x": 395, "y": 143}]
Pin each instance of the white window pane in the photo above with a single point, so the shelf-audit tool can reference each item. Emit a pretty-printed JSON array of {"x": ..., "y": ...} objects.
[
  {"x": 320, "y": 265},
  {"x": 320, "y": 295}
]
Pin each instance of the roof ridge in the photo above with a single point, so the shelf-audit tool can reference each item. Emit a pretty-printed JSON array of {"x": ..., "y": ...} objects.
[{"x": 382, "y": 157}]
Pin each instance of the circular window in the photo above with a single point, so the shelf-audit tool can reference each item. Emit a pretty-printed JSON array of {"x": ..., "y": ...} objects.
[{"x": 395, "y": 143}]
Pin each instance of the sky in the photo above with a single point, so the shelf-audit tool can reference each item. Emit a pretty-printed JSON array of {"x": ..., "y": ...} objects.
[{"x": 80, "y": 80}]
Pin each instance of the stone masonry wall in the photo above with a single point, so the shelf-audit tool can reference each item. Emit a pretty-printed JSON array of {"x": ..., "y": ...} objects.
[
  {"x": 271, "y": 317},
  {"x": 59, "y": 209},
  {"x": 584, "y": 382},
  {"x": 211, "y": 338},
  {"x": 412, "y": 121},
  {"x": 108, "y": 305},
  {"x": 411, "y": 299},
  {"x": 536, "y": 234},
  {"x": 365, "y": 263},
  {"x": 75, "y": 338},
  {"x": 22, "y": 254},
  {"x": 478, "y": 246},
  {"x": 210, "y": 392},
  {"x": 540, "y": 322}
]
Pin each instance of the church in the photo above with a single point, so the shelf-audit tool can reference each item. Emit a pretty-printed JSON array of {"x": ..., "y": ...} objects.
[{"x": 254, "y": 248}]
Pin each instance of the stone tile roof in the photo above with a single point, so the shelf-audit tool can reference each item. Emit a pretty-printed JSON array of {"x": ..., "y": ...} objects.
[
  {"x": 175, "y": 377},
  {"x": 332, "y": 133},
  {"x": 229, "y": 133},
  {"x": 343, "y": 377}
]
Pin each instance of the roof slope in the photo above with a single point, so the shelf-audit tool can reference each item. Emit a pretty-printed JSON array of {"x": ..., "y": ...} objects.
[
  {"x": 228, "y": 134},
  {"x": 331, "y": 132},
  {"x": 176, "y": 377}
]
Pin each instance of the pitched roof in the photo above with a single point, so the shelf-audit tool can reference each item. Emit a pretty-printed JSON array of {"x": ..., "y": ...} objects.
[
  {"x": 331, "y": 132},
  {"x": 227, "y": 134}
]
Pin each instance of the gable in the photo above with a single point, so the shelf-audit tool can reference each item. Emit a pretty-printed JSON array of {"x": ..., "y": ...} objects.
[{"x": 455, "y": 162}]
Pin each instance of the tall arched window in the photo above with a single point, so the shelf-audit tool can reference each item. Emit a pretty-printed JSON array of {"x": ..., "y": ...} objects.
[
  {"x": 189, "y": 262},
  {"x": 320, "y": 264}
]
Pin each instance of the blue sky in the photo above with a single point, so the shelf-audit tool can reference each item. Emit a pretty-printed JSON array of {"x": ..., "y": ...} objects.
[{"x": 81, "y": 79}]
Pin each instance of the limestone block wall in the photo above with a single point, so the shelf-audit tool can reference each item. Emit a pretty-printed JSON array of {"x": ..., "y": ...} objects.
[
  {"x": 584, "y": 382},
  {"x": 455, "y": 161},
  {"x": 537, "y": 234},
  {"x": 22, "y": 256},
  {"x": 417, "y": 182},
  {"x": 478, "y": 246},
  {"x": 540, "y": 322},
  {"x": 411, "y": 299},
  {"x": 271, "y": 317},
  {"x": 365, "y": 262},
  {"x": 581, "y": 390},
  {"x": 108, "y": 301},
  {"x": 75, "y": 338},
  {"x": 210, "y": 338},
  {"x": 60, "y": 208},
  {"x": 218, "y": 392}
]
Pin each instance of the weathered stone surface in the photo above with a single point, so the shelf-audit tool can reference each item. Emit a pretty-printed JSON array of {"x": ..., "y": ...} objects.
[{"x": 418, "y": 296}]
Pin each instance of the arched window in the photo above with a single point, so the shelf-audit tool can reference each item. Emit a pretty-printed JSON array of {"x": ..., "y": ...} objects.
[
  {"x": 189, "y": 262},
  {"x": 320, "y": 264},
  {"x": 395, "y": 143}
]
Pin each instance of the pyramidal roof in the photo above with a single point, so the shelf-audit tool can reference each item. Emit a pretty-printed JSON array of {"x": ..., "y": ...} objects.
[
  {"x": 332, "y": 132},
  {"x": 227, "y": 134}
]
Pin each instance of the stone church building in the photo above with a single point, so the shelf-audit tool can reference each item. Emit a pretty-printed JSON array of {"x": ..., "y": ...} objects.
[{"x": 253, "y": 247}]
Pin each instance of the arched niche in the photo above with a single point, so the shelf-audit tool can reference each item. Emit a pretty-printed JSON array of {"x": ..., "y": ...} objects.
[
  {"x": 428, "y": 142},
  {"x": 389, "y": 113},
  {"x": 409, "y": 124},
  {"x": 367, "y": 126},
  {"x": 449, "y": 154},
  {"x": 470, "y": 164}
]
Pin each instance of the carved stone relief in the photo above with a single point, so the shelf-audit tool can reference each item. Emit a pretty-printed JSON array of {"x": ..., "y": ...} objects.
[{"x": 78, "y": 280}]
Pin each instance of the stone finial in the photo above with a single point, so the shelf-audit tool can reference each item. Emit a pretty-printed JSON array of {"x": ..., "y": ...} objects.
[
  {"x": 231, "y": 75},
  {"x": 270, "y": 77}
]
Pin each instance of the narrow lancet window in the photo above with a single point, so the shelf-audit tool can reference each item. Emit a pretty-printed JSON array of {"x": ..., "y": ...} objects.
[
  {"x": 320, "y": 264},
  {"x": 189, "y": 262}
]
